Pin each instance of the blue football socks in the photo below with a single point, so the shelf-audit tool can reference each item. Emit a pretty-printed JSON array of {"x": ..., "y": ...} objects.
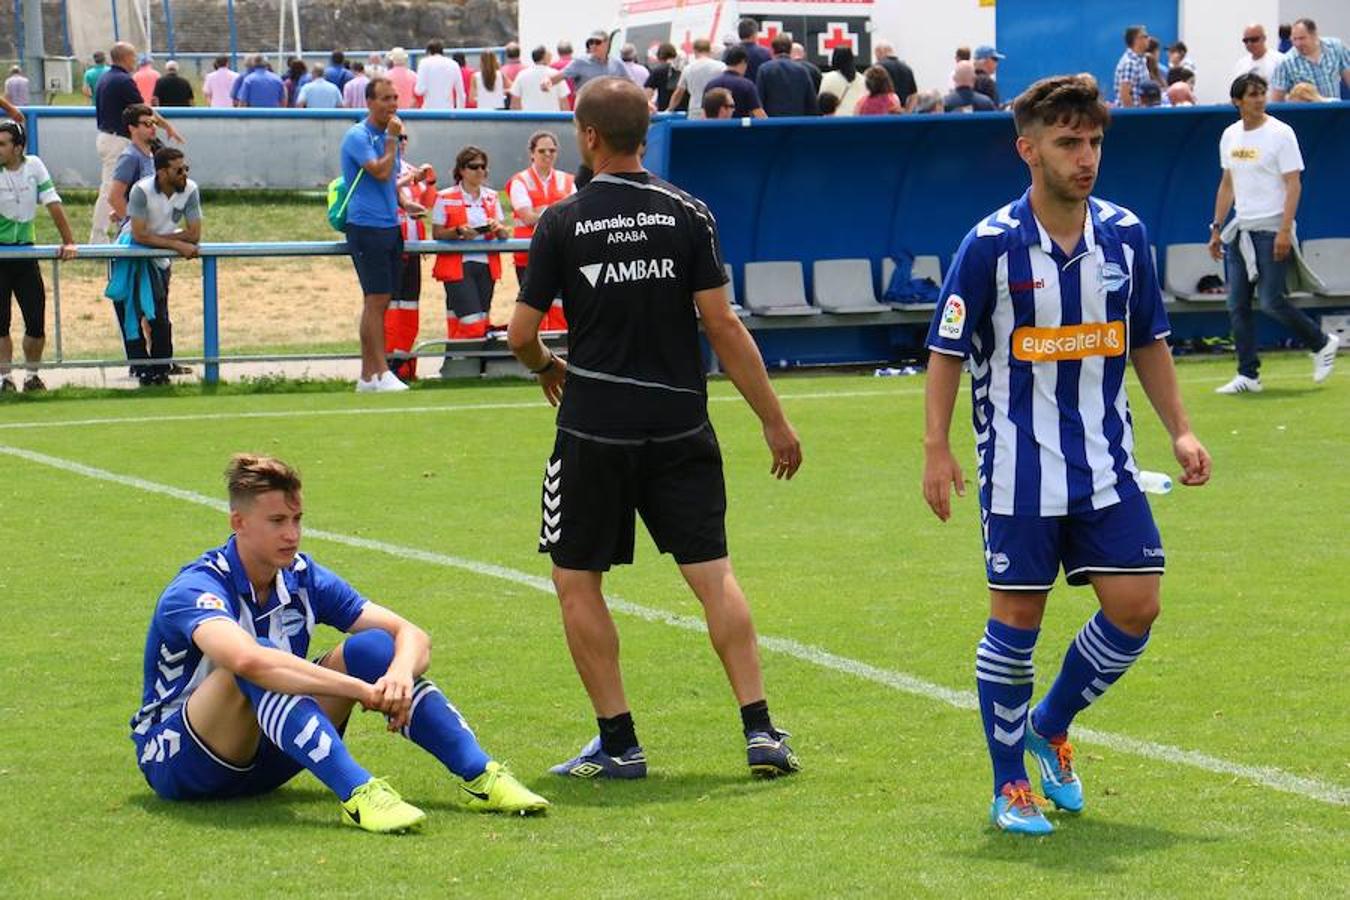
[
  {"x": 300, "y": 729},
  {"x": 1005, "y": 677},
  {"x": 1096, "y": 658},
  {"x": 434, "y": 724}
]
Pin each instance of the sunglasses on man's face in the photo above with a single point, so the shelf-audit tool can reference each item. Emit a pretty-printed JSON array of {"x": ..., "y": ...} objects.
[
  {"x": 1253, "y": 40},
  {"x": 475, "y": 166}
]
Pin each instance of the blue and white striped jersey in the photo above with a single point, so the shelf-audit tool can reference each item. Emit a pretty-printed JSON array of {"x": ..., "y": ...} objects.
[
  {"x": 1047, "y": 337},
  {"x": 216, "y": 586}
]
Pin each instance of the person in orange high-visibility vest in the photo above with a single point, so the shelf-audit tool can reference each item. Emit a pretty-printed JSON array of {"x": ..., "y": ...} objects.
[
  {"x": 401, "y": 319},
  {"x": 532, "y": 191},
  {"x": 468, "y": 211}
]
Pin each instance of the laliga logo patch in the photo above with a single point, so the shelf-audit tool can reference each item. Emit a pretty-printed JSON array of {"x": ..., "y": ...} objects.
[
  {"x": 953, "y": 318},
  {"x": 1114, "y": 277},
  {"x": 210, "y": 601},
  {"x": 292, "y": 622}
]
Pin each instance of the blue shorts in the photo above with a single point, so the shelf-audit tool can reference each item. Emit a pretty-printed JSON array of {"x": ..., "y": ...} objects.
[
  {"x": 179, "y": 766},
  {"x": 1024, "y": 553},
  {"x": 377, "y": 254}
]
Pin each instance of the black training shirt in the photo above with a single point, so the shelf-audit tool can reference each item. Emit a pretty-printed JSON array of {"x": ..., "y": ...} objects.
[{"x": 627, "y": 253}]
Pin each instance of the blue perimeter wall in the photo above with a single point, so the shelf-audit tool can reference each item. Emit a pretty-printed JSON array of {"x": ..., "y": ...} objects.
[{"x": 807, "y": 189}]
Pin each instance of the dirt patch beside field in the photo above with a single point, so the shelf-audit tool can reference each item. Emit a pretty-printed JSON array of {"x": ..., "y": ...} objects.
[{"x": 273, "y": 302}]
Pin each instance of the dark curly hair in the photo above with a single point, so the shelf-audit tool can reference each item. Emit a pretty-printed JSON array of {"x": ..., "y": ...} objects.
[{"x": 1060, "y": 100}]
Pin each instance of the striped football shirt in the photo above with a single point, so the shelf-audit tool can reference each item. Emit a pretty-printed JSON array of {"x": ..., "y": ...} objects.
[{"x": 1047, "y": 336}]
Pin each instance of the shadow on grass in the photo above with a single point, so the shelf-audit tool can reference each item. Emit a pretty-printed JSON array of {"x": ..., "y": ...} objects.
[
  {"x": 281, "y": 810},
  {"x": 655, "y": 790},
  {"x": 1082, "y": 845}
]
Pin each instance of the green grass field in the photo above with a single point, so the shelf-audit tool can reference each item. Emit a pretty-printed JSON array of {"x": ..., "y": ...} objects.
[{"x": 868, "y": 608}]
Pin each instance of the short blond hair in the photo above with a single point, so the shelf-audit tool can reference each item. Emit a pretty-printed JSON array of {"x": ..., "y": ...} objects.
[{"x": 250, "y": 475}]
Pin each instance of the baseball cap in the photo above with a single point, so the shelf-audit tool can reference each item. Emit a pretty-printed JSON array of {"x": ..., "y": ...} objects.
[{"x": 985, "y": 51}]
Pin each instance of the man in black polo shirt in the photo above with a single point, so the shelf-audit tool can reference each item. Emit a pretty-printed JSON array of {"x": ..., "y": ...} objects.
[
  {"x": 114, "y": 92},
  {"x": 633, "y": 257}
]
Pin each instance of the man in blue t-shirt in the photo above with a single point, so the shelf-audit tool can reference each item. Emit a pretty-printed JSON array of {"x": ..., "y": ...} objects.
[
  {"x": 232, "y": 707},
  {"x": 261, "y": 88},
  {"x": 370, "y": 164}
]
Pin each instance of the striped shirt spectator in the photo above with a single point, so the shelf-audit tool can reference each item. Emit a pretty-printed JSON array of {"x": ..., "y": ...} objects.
[
  {"x": 1322, "y": 62},
  {"x": 1132, "y": 69}
]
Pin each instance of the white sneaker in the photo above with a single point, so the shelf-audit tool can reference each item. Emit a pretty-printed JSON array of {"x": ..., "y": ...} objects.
[
  {"x": 366, "y": 385},
  {"x": 388, "y": 381},
  {"x": 1324, "y": 360},
  {"x": 1241, "y": 384}
]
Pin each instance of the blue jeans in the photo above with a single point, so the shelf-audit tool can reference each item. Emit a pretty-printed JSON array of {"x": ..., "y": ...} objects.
[{"x": 1274, "y": 303}]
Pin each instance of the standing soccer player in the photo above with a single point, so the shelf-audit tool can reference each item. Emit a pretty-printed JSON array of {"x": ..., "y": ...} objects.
[
  {"x": 633, "y": 257},
  {"x": 1046, "y": 299},
  {"x": 232, "y": 707}
]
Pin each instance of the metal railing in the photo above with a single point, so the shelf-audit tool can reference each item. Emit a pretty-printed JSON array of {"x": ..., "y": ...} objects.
[{"x": 210, "y": 254}]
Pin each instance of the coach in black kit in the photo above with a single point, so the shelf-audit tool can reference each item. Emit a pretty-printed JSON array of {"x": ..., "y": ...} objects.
[{"x": 633, "y": 258}]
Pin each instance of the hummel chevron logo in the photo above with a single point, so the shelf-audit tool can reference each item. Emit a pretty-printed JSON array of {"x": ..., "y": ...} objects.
[
  {"x": 551, "y": 535},
  {"x": 553, "y": 468},
  {"x": 1009, "y": 737},
  {"x": 161, "y": 689},
  {"x": 1010, "y": 715},
  {"x": 553, "y": 520},
  {"x": 171, "y": 657},
  {"x": 552, "y": 501},
  {"x": 592, "y": 272},
  {"x": 551, "y": 485},
  {"x": 170, "y": 673}
]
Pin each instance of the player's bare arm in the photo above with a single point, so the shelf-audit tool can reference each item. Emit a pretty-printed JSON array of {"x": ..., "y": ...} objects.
[
  {"x": 522, "y": 336},
  {"x": 1158, "y": 376},
  {"x": 232, "y": 648},
  {"x": 941, "y": 471},
  {"x": 412, "y": 657},
  {"x": 743, "y": 364}
]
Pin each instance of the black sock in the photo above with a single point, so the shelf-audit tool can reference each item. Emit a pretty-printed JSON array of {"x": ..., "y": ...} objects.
[
  {"x": 617, "y": 734},
  {"x": 755, "y": 717}
]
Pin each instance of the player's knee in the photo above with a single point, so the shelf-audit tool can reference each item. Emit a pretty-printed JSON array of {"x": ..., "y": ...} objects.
[
  {"x": 1146, "y": 614},
  {"x": 1137, "y": 618},
  {"x": 367, "y": 655}
]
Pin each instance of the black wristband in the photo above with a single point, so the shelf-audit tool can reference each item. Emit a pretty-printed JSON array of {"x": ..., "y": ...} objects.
[{"x": 546, "y": 366}]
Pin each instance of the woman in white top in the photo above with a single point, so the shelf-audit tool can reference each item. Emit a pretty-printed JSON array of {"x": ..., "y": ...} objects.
[
  {"x": 488, "y": 88},
  {"x": 844, "y": 81}
]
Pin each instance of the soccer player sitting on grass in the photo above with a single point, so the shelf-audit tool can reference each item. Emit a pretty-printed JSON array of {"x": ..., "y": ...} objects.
[
  {"x": 233, "y": 708},
  {"x": 1047, "y": 298}
]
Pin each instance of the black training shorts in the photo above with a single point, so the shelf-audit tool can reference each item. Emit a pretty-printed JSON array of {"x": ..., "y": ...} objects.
[
  {"x": 592, "y": 487},
  {"x": 21, "y": 279}
]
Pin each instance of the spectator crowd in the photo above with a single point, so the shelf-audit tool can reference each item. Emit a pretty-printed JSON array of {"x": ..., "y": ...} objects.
[
  {"x": 146, "y": 197},
  {"x": 765, "y": 77}
]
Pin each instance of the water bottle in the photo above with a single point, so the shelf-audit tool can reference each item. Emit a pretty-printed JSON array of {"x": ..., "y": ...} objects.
[{"x": 1154, "y": 482}]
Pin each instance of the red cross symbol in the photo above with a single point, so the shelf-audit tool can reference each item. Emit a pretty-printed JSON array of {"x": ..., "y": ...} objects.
[
  {"x": 769, "y": 31},
  {"x": 838, "y": 36}
]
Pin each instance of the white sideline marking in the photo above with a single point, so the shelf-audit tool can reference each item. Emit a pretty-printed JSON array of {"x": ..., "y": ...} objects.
[
  {"x": 472, "y": 407},
  {"x": 395, "y": 410},
  {"x": 1267, "y": 776}
]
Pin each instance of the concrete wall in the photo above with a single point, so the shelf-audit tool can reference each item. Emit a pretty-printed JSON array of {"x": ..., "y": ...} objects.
[{"x": 298, "y": 149}]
